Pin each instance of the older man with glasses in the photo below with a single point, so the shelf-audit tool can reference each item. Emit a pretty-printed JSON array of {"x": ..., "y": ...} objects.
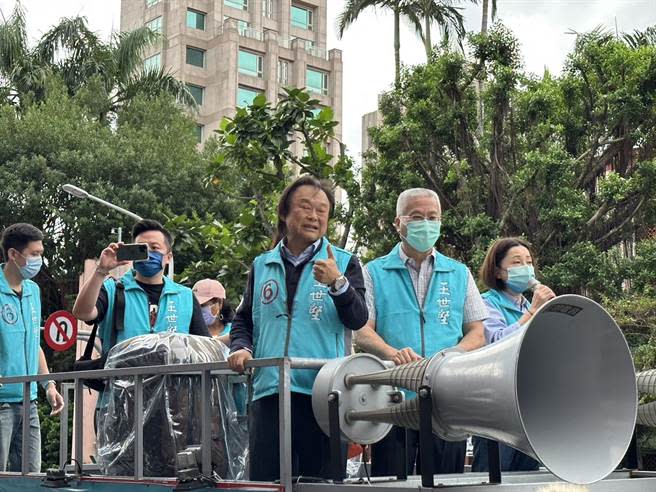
[{"x": 420, "y": 302}]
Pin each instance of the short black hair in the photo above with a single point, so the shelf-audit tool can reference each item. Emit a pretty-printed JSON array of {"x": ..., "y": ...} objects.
[
  {"x": 145, "y": 225},
  {"x": 18, "y": 236}
]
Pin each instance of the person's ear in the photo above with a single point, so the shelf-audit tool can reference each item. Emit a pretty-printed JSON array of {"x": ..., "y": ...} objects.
[
  {"x": 397, "y": 224},
  {"x": 13, "y": 255}
]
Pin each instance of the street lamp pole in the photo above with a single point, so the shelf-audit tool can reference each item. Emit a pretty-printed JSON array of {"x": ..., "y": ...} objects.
[{"x": 80, "y": 193}]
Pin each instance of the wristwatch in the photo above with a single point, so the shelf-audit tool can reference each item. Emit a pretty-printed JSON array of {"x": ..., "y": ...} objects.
[
  {"x": 338, "y": 283},
  {"x": 44, "y": 384}
]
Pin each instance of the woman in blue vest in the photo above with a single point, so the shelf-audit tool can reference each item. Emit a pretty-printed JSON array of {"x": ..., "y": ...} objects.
[
  {"x": 508, "y": 271},
  {"x": 302, "y": 299}
]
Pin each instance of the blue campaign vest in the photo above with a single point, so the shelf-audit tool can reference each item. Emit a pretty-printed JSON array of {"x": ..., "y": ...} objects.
[
  {"x": 510, "y": 311},
  {"x": 174, "y": 313},
  {"x": 226, "y": 329},
  {"x": 401, "y": 322},
  {"x": 314, "y": 329},
  {"x": 20, "y": 323}
]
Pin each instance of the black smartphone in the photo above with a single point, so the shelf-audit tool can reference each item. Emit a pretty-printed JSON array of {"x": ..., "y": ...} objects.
[{"x": 132, "y": 252}]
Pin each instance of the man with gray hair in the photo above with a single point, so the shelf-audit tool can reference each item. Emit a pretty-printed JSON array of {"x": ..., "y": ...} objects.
[{"x": 420, "y": 302}]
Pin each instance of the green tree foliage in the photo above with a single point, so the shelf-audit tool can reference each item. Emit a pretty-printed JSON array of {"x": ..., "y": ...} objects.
[
  {"x": 82, "y": 61},
  {"x": 445, "y": 14},
  {"x": 149, "y": 164},
  {"x": 256, "y": 155},
  {"x": 568, "y": 162}
]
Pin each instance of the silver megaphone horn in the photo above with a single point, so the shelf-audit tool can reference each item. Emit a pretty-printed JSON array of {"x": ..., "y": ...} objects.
[{"x": 562, "y": 390}]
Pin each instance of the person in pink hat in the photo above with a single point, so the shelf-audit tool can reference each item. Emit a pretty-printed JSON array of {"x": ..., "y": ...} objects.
[{"x": 217, "y": 313}]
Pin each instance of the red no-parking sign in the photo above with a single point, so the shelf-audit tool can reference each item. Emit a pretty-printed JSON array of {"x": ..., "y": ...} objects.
[{"x": 60, "y": 330}]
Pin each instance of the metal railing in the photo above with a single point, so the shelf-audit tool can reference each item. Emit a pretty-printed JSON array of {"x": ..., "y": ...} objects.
[
  {"x": 283, "y": 41},
  {"x": 244, "y": 31},
  {"x": 206, "y": 372}
]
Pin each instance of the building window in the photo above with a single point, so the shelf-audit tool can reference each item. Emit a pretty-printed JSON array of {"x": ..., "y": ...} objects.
[
  {"x": 245, "y": 96},
  {"x": 237, "y": 4},
  {"x": 195, "y": 19},
  {"x": 153, "y": 63},
  {"x": 267, "y": 8},
  {"x": 150, "y": 3},
  {"x": 316, "y": 81},
  {"x": 283, "y": 71},
  {"x": 250, "y": 63},
  {"x": 199, "y": 133},
  {"x": 155, "y": 25},
  {"x": 196, "y": 92},
  {"x": 196, "y": 57},
  {"x": 301, "y": 17}
]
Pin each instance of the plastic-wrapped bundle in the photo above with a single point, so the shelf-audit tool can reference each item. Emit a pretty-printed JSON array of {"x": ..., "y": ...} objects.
[{"x": 172, "y": 408}]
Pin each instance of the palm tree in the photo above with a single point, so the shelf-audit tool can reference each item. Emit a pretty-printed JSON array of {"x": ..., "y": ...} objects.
[
  {"x": 76, "y": 54},
  {"x": 354, "y": 8},
  {"x": 486, "y": 6},
  {"x": 480, "y": 83},
  {"x": 641, "y": 38},
  {"x": 444, "y": 13},
  {"x": 19, "y": 71}
]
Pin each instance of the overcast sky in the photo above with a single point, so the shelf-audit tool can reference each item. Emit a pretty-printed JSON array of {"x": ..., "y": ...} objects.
[{"x": 540, "y": 25}]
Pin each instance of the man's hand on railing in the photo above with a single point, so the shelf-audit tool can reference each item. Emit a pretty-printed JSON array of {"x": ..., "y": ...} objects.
[
  {"x": 55, "y": 399},
  {"x": 237, "y": 359}
]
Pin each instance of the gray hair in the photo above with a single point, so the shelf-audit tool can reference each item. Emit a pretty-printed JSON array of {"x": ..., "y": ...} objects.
[{"x": 409, "y": 194}]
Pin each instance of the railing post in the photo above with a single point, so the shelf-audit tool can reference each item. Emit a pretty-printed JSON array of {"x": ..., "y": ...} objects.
[
  {"x": 63, "y": 425},
  {"x": 138, "y": 428},
  {"x": 25, "y": 413},
  {"x": 206, "y": 423},
  {"x": 78, "y": 412},
  {"x": 284, "y": 424}
]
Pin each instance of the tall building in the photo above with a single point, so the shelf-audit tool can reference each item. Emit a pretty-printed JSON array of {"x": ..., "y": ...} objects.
[
  {"x": 369, "y": 120},
  {"x": 229, "y": 51}
]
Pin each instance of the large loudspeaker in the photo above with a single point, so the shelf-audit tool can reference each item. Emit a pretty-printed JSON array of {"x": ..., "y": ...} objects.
[{"x": 562, "y": 390}]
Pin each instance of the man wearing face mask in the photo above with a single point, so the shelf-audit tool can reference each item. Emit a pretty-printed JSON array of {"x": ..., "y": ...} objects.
[
  {"x": 420, "y": 302},
  {"x": 20, "y": 351},
  {"x": 153, "y": 302}
]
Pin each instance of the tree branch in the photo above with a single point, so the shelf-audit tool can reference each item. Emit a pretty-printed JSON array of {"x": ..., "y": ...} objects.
[{"x": 626, "y": 220}]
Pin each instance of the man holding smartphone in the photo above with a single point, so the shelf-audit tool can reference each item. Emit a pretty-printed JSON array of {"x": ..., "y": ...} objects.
[{"x": 153, "y": 302}]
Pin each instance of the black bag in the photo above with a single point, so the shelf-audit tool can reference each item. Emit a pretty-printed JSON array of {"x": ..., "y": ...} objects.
[{"x": 86, "y": 363}]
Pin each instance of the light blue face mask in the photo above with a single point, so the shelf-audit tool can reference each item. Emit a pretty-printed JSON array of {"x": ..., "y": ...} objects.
[
  {"x": 423, "y": 234},
  {"x": 32, "y": 266},
  {"x": 519, "y": 278},
  {"x": 208, "y": 317}
]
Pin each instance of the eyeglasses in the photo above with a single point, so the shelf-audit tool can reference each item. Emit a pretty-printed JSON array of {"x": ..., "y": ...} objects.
[{"x": 417, "y": 218}]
